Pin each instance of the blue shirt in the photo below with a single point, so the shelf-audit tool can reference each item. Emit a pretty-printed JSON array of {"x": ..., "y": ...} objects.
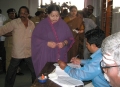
[{"x": 90, "y": 71}]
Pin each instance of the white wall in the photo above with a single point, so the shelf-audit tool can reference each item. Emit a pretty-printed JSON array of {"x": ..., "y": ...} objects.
[
  {"x": 16, "y": 4},
  {"x": 97, "y": 9},
  {"x": 116, "y": 17},
  {"x": 33, "y": 5}
]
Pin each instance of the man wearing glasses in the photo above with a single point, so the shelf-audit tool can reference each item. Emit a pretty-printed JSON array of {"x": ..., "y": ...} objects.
[{"x": 111, "y": 59}]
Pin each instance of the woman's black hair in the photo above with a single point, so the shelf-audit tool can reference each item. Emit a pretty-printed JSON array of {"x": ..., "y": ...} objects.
[
  {"x": 53, "y": 7},
  {"x": 71, "y": 7}
]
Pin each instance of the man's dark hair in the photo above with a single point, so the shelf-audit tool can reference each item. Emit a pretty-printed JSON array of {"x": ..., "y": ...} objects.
[
  {"x": 39, "y": 13},
  {"x": 11, "y": 10},
  {"x": 95, "y": 36}
]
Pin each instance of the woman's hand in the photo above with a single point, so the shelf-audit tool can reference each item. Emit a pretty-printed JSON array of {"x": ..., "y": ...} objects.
[
  {"x": 60, "y": 44},
  {"x": 75, "y": 60},
  {"x": 51, "y": 44},
  {"x": 81, "y": 31}
]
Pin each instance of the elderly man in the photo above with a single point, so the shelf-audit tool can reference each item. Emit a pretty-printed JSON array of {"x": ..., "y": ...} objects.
[{"x": 111, "y": 59}]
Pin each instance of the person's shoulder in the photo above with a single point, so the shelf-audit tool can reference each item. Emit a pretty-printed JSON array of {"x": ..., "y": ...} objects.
[
  {"x": 90, "y": 20},
  {"x": 17, "y": 20},
  {"x": 62, "y": 22},
  {"x": 43, "y": 21},
  {"x": 31, "y": 22},
  {"x": 66, "y": 19},
  {"x": 97, "y": 54},
  {"x": 92, "y": 16},
  {"x": 7, "y": 21},
  {"x": 33, "y": 18},
  {"x": 87, "y": 19}
]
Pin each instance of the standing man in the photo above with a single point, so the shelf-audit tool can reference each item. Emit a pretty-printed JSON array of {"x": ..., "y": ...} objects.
[
  {"x": 2, "y": 39},
  {"x": 39, "y": 15},
  {"x": 90, "y": 9},
  {"x": 21, "y": 29},
  {"x": 8, "y": 40}
]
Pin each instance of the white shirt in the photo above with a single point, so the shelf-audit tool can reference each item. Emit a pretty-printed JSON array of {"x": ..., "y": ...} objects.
[
  {"x": 2, "y": 20},
  {"x": 89, "y": 24}
]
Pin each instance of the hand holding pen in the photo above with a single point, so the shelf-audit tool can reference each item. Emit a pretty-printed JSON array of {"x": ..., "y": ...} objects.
[{"x": 75, "y": 60}]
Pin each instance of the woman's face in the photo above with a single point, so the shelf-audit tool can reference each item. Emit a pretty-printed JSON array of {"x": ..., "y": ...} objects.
[
  {"x": 54, "y": 16},
  {"x": 73, "y": 12}
]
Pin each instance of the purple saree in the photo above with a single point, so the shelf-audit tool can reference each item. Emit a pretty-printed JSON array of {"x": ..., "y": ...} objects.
[{"x": 45, "y": 32}]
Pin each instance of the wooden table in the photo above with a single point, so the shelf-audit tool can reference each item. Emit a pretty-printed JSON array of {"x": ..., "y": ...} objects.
[{"x": 48, "y": 68}]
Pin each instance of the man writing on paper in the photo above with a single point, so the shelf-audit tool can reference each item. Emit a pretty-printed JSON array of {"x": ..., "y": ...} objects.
[{"x": 91, "y": 69}]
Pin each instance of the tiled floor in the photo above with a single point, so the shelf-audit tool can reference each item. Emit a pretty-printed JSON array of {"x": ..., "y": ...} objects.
[{"x": 21, "y": 81}]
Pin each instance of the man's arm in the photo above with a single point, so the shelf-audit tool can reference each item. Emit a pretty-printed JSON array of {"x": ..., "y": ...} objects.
[
  {"x": 87, "y": 72},
  {"x": 6, "y": 28}
]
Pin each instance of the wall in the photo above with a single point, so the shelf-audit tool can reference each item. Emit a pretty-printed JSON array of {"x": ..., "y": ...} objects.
[
  {"x": 33, "y": 5},
  {"x": 97, "y": 9},
  {"x": 6, "y": 4},
  {"x": 116, "y": 17}
]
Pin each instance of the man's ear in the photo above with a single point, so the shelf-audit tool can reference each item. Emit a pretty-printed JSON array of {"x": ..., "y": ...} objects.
[{"x": 93, "y": 45}]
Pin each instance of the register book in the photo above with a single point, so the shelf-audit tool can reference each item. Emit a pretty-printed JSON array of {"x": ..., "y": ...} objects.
[{"x": 63, "y": 79}]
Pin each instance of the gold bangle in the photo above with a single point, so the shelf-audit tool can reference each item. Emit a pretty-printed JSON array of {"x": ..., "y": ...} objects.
[{"x": 65, "y": 42}]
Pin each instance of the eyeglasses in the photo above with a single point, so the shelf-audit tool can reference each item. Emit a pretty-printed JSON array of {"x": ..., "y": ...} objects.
[
  {"x": 103, "y": 65},
  {"x": 23, "y": 13}
]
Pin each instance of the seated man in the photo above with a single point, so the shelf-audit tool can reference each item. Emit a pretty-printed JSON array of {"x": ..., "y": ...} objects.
[
  {"x": 91, "y": 69},
  {"x": 111, "y": 59}
]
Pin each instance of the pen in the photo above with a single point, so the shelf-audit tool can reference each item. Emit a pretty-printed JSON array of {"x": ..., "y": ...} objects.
[{"x": 77, "y": 55}]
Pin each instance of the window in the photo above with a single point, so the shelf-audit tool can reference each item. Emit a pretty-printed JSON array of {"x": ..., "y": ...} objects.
[{"x": 79, "y": 5}]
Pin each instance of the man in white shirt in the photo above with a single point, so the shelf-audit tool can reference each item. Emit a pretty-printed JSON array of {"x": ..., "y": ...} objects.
[{"x": 2, "y": 20}]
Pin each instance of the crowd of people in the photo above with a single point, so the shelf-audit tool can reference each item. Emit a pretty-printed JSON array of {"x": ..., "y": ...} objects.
[{"x": 52, "y": 36}]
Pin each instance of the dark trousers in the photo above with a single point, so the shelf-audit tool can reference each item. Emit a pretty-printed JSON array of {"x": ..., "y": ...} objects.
[
  {"x": 12, "y": 69},
  {"x": 3, "y": 55}
]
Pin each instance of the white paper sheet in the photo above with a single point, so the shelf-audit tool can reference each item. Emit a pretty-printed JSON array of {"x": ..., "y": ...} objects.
[
  {"x": 69, "y": 64},
  {"x": 63, "y": 79}
]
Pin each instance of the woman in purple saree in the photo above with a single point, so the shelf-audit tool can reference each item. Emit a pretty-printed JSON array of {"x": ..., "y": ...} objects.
[{"x": 51, "y": 40}]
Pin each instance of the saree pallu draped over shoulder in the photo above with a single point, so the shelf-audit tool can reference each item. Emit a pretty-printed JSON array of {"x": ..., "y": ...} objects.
[
  {"x": 45, "y": 32},
  {"x": 77, "y": 48}
]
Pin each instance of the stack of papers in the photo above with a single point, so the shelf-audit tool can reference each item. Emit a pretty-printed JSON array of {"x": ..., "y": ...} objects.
[{"x": 63, "y": 79}]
